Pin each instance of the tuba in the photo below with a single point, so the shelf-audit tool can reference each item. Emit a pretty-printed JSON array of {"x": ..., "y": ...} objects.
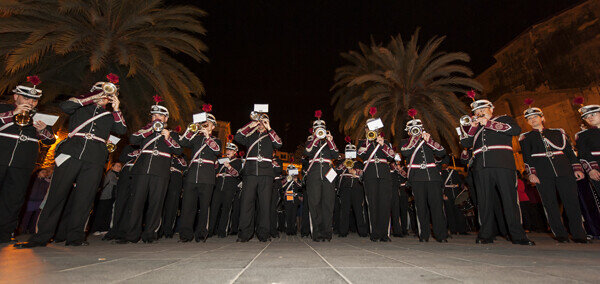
[
  {"x": 372, "y": 135},
  {"x": 349, "y": 163},
  {"x": 24, "y": 118},
  {"x": 158, "y": 126}
]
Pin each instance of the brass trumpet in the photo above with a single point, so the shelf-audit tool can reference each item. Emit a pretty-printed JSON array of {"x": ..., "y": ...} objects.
[
  {"x": 372, "y": 135},
  {"x": 256, "y": 116},
  {"x": 466, "y": 120},
  {"x": 415, "y": 130},
  {"x": 158, "y": 126},
  {"x": 109, "y": 88},
  {"x": 111, "y": 147},
  {"x": 289, "y": 178},
  {"x": 320, "y": 133},
  {"x": 24, "y": 118},
  {"x": 349, "y": 163}
]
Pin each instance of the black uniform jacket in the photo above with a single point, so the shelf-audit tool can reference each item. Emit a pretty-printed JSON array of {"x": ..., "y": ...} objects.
[
  {"x": 20, "y": 145},
  {"x": 347, "y": 180},
  {"x": 378, "y": 167},
  {"x": 548, "y": 153},
  {"x": 228, "y": 179},
  {"x": 89, "y": 144},
  {"x": 259, "y": 157},
  {"x": 178, "y": 165},
  {"x": 155, "y": 152},
  {"x": 291, "y": 190},
  {"x": 321, "y": 162},
  {"x": 588, "y": 148},
  {"x": 420, "y": 158},
  {"x": 205, "y": 152},
  {"x": 492, "y": 143},
  {"x": 452, "y": 183}
]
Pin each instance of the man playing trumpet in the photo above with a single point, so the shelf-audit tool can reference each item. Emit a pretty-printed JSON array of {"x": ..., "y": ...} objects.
[
  {"x": 261, "y": 141},
  {"x": 19, "y": 152}
]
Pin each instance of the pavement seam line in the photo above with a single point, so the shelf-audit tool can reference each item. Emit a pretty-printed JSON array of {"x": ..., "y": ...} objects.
[
  {"x": 249, "y": 263},
  {"x": 332, "y": 267},
  {"x": 98, "y": 263},
  {"x": 166, "y": 265},
  {"x": 411, "y": 264}
]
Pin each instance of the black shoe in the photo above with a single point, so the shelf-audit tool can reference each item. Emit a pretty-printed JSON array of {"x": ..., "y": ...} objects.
[
  {"x": 581, "y": 241},
  {"x": 201, "y": 238},
  {"x": 264, "y": 240},
  {"x": 276, "y": 235},
  {"x": 397, "y": 235},
  {"x": 342, "y": 236},
  {"x": 385, "y": 239},
  {"x": 183, "y": 240},
  {"x": 168, "y": 235},
  {"x": 363, "y": 235},
  {"x": 423, "y": 240},
  {"x": 222, "y": 236},
  {"x": 122, "y": 242},
  {"x": 326, "y": 239},
  {"x": 148, "y": 241},
  {"x": 28, "y": 245},
  {"x": 108, "y": 238},
  {"x": 464, "y": 234},
  {"x": 77, "y": 243},
  {"x": 524, "y": 242},
  {"x": 374, "y": 239},
  {"x": 56, "y": 241},
  {"x": 316, "y": 240},
  {"x": 484, "y": 241},
  {"x": 562, "y": 240},
  {"x": 442, "y": 241}
]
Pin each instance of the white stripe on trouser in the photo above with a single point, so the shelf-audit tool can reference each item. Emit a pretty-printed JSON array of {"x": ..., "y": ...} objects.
[
  {"x": 228, "y": 220},
  {"x": 311, "y": 226},
  {"x": 368, "y": 213},
  {"x": 43, "y": 205},
  {"x": 518, "y": 204},
  {"x": 207, "y": 219},
  {"x": 418, "y": 222}
]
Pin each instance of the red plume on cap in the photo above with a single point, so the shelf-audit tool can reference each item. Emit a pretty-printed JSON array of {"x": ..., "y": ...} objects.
[
  {"x": 348, "y": 139},
  {"x": 372, "y": 111},
  {"x": 112, "y": 78},
  {"x": 35, "y": 80},
  {"x": 528, "y": 101},
  {"x": 318, "y": 114},
  {"x": 471, "y": 94},
  {"x": 241, "y": 153},
  {"x": 412, "y": 113},
  {"x": 157, "y": 98},
  {"x": 578, "y": 101},
  {"x": 207, "y": 107},
  {"x": 177, "y": 128},
  {"x": 230, "y": 137}
]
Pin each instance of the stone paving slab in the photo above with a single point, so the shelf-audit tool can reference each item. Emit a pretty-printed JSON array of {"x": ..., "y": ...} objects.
[{"x": 296, "y": 260}]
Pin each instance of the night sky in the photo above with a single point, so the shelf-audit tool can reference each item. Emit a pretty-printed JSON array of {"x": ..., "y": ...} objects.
[{"x": 285, "y": 53}]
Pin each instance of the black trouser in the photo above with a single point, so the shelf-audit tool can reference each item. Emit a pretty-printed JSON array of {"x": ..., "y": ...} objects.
[
  {"x": 222, "y": 200},
  {"x": 486, "y": 181},
  {"x": 567, "y": 190},
  {"x": 403, "y": 200},
  {"x": 395, "y": 206},
  {"x": 13, "y": 188},
  {"x": 428, "y": 204},
  {"x": 87, "y": 176},
  {"x": 352, "y": 198},
  {"x": 102, "y": 213},
  {"x": 379, "y": 200},
  {"x": 148, "y": 191},
  {"x": 320, "y": 205},
  {"x": 255, "y": 188},
  {"x": 195, "y": 202},
  {"x": 169, "y": 214},
  {"x": 235, "y": 212},
  {"x": 122, "y": 196},
  {"x": 456, "y": 219},
  {"x": 291, "y": 212},
  {"x": 306, "y": 226},
  {"x": 275, "y": 196}
]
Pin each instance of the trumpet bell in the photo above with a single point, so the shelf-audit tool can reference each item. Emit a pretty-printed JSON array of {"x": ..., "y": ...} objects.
[
  {"x": 320, "y": 133},
  {"x": 465, "y": 120},
  {"x": 415, "y": 131},
  {"x": 109, "y": 88},
  {"x": 254, "y": 116},
  {"x": 371, "y": 135},
  {"x": 193, "y": 127},
  {"x": 158, "y": 126},
  {"x": 348, "y": 163},
  {"x": 111, "y": 147},
  {"x": 289, "y": 178}
]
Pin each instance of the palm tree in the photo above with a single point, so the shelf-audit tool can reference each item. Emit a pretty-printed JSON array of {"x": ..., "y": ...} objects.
[
  {"x": 71, "y": 44},
  {"x": 398, "y": 77}
]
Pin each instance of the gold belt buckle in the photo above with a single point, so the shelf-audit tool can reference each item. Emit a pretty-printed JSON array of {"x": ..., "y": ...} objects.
[
  {"x": 89, "y": 136},
  {"x": 423, "y": 166},
  {"x": 259, "y": 158}
]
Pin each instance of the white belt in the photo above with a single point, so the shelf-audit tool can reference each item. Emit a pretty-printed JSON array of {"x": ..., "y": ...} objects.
[
  {"x": 378, "y": 160},
  {"x": 452, "y": 186},
  {"x": 321, "y": 160},
  {"x": 259, "y": 159},
  {"x": 203, "y": 161},
  {"x": 22, "y": 138},
  {"x": 157, "y": 153},
  {"x": 421, "y": 166},
  {"x": 349, "y": 175},
  {"x": 224, "y": 175},
  {"x": 595, "y": 153},
  {"x": 173, "y": 169},
  {"x": 403, "y": 184},
  {"x": 547, "y": 154},
  {"x": 496, "y": 147},
  {"x": 89, "y": 136}
]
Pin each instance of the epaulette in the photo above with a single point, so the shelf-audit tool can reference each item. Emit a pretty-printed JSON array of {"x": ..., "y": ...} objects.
[
  {"x": 577, "y": 134},
  {"x": 522, "y": 135}
]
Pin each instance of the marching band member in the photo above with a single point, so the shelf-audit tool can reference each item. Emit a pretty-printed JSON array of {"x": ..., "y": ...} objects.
[
  {"x": 128, "y": 156},
  {"x": 199, "y": 179},
  {"x": 260, "y": 141},
  {"x": 588, "y": 142},
  {"x": 494, "y": 167},
  {"x": 150, "y": 176},
  {"x": 452, "y": 187},
  {"x": 352, "y": 194},
  {"x": 275, "y": 197},
  {"x": 291, "y": 189},
  {"x": 80, "y": 159},
  {"x": 321, "y": 151},
  {"x": 403, "y": 200},
  {"x": 395, "y": 227},
  {"x": 19, "y": 136},
  {"x": 174, "y": 190},
  {"x": 228, "y": 178},
  {"x": 376, "y": 154},
  {"x": 420, "y": 151},
  {"x": 553, "y": 167}
]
